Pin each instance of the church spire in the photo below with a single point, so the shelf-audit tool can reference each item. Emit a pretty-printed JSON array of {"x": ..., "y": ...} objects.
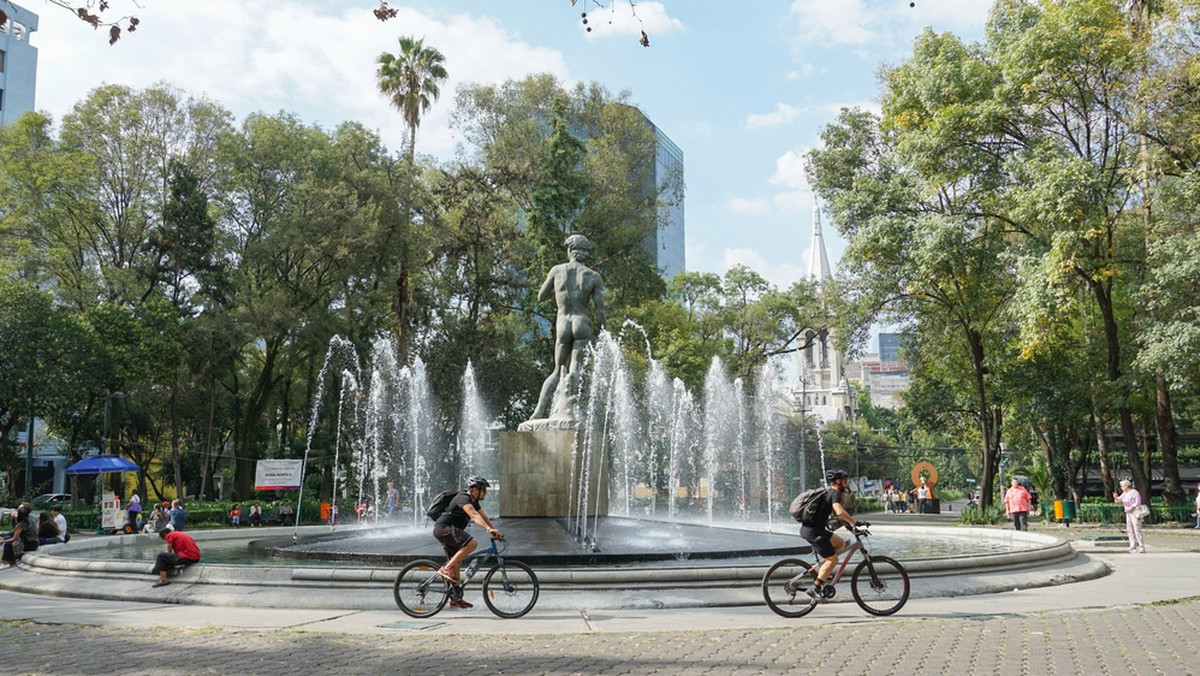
[{"x": 818, "y": 259}]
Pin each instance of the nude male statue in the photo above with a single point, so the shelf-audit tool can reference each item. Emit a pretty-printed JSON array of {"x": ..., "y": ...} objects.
[{"x": 572, "y": 285}]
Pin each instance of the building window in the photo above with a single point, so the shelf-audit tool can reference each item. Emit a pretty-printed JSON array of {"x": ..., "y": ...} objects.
[
  {"x": 1, "y": 60},
  {"x": 1, "y": 100}
]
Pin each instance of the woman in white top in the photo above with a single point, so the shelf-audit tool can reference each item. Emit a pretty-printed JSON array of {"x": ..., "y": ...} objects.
[
  {"x": 1130, "y": 498},
  {"x": 1197, "y": 507}
]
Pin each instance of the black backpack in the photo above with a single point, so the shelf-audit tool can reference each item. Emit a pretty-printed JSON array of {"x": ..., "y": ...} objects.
[
  {"x": 804, "y": 507},
  {"x": 441, "y": 502}
]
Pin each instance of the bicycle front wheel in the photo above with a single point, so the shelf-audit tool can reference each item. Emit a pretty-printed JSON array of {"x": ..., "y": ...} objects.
[
  {"x": 510, "y": 590},
  {"x": 784, "y": 587},
  {"x": 419, "y": 590},
  {"x": 880, "y": 585}
]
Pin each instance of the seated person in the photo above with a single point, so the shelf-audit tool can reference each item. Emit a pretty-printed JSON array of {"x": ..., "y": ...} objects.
[
  {"x": 286, "y": 516},
  {"x": 23, "y": 538},
  {"x": 61, "y": 521},
  {"x": 47, "y": 530},
  {"x": 181, "y": 551}
]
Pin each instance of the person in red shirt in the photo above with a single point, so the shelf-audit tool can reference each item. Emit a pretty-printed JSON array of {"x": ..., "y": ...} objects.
[{"x": 181, "y": 551}]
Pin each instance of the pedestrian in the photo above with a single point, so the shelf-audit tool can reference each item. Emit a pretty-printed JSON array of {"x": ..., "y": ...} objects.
[
  {"x": 393, "y": 499},
  {"x": 135, "y": 510},
  {"x": 61, "y": 522},
  {"x": 1016, "y": 505},
  {"x": 922, "y": 497},
  {"x": 181, "y": 551},
  {"x": 178, "y": 515},
  {"x": 235, "y": 516},
  {"x": 255, "y": 516},
  {"x": 887, "y": 500},
  {"x": 1131, "y": 499},
  {"x": 1197, "y": 507}
]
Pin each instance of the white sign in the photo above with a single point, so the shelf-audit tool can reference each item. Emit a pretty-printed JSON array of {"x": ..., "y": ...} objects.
[{"x": 278, "y": 475}]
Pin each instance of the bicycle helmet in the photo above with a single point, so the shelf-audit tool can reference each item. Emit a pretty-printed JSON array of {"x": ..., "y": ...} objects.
[
  {"x": 835, "y": 474},
  {"x": 478, "y": 482}
]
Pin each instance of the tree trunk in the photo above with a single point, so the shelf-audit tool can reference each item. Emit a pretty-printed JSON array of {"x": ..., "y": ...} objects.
[
  {"x": 989, "y": 420},
  {"x": 1106, "y": 476},
  {"x": 1103, "y": 294},
  {"x": 1173, "y": 493},
  {"x": 256, "y": 404}
]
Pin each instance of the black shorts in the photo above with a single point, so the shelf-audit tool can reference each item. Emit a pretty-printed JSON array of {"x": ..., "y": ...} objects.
[
  {"x": 452, "y": 538},
  {"x": 819, "y": 538}
]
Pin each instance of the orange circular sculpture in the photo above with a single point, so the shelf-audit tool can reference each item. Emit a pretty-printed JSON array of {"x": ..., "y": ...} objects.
[{"x": 925, "y": 467}]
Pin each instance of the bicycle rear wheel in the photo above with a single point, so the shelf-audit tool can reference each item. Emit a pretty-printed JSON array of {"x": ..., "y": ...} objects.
[
  {"x": 510, "y": 591},
  {"x": 785, "y": 585},
  {"x": 419, "y": 590},
  {"x": 880, "y": 586}
]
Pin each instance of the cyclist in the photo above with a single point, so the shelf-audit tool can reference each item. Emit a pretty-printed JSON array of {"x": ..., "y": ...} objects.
[
  {"x": 450, "y": 530},
  {"x": 824, "y": 542}
]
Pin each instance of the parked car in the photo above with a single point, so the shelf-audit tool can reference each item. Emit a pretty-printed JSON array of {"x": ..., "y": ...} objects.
[{"x": 47, "y": 500}]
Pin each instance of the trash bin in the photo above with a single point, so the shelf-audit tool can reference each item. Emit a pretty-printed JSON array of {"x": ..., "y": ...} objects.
[
  {"x": 1068, "y": 509},
  {"x": 1064, "y": 510}
]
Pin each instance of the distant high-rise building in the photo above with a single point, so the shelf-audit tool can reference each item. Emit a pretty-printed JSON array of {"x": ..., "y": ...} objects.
[
  {"x": 667, "y": 242},
  {"x": 889, "y": 346},
  {"x": 18, "y": 63}
]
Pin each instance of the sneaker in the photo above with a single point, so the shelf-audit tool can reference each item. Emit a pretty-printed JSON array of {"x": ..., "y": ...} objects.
[
  {"x": 1141, "y": 550},
  {"x": 448, "y": 574},
  {"x": 460, "y": 603},
  {"x": 815, "y": 593}
]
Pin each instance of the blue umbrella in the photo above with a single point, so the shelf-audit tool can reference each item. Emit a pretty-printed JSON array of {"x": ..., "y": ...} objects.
[{"x": 102, "y": 464}]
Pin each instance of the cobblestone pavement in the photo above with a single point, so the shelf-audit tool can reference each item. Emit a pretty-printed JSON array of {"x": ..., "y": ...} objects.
[{"x": 1150, "y": 639}]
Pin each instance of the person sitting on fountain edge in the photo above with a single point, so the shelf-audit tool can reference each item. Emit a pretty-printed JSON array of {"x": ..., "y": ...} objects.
[
  {"x": 823, "y": 541},
  {"x": 450, "y": 530}
]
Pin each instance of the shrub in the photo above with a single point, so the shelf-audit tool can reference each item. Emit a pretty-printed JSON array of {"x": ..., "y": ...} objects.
[{"x": 974, "y": 515}]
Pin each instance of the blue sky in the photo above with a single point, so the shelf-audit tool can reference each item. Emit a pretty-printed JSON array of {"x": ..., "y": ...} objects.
[{"x": 742, "y": 86}]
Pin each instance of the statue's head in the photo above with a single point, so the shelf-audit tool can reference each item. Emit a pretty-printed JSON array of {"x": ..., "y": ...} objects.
[{"x": 578, "y": 244}]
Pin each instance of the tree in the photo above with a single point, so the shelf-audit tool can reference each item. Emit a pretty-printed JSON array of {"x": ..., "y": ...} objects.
[
  {"x": 42, "y": 351},
  {"x": 411, "y": 82}
]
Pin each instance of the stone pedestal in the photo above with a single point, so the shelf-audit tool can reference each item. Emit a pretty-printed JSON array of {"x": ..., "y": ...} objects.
[{"x": 536, "y": 475}]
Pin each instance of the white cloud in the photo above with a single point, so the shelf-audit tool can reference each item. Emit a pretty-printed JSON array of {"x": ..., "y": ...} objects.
[
  {"x": 825, "y": 23},
  {"x": 868, "y": 23},
  {"x": 621, "y": 17},
  {"x": 789, "y": 170},
  {"x": 743, "y": 205},
  {"x": 780, "y": 276},
  {"x": 310, "y": 59},
  {"x": 794, "y": 200},
  {"x": 782, "y": 114}
]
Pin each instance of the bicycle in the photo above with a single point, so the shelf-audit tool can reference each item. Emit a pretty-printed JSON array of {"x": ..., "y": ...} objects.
[
  {"x": 510, "y": 588},
  {"x": 879, "y": 583}
]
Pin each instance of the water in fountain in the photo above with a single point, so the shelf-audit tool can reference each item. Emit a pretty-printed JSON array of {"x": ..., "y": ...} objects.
[
  {"x": 476, "y": 453},
  {"x": 341, "y": 355}
]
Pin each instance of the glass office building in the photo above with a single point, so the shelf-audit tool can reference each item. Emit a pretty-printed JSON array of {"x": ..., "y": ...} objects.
[{"x": 18, "y": 63}]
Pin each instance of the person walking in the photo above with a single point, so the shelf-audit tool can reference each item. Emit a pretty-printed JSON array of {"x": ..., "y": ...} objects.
[
  {"x": 135, "y": 510},
  {"x": 1016, "y": 504},
  {"x": 1131, "y": 499},
  {"x": 1197, "y": 507}
]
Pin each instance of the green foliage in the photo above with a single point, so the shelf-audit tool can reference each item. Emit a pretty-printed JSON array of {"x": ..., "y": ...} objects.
[{"x": 977, "y": 515}]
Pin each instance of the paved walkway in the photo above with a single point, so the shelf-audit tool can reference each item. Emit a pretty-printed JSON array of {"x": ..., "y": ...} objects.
[{"x": 1142, "y": 619}]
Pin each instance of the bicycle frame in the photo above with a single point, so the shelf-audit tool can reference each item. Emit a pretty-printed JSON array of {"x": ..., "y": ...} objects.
[{"x": 510, "y": 588}]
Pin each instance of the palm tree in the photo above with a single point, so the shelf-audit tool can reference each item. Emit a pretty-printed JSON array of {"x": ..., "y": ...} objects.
[{"x": 410, "y": 81}]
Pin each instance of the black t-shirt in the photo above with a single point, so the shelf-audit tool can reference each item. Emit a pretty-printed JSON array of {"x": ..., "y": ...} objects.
[
  {"x": 454, "y": 514},
  {"x": 824, "y": 507}
]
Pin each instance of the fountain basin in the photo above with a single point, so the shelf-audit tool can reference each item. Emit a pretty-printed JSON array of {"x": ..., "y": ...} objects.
[{"x": 93, "y": 568}]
